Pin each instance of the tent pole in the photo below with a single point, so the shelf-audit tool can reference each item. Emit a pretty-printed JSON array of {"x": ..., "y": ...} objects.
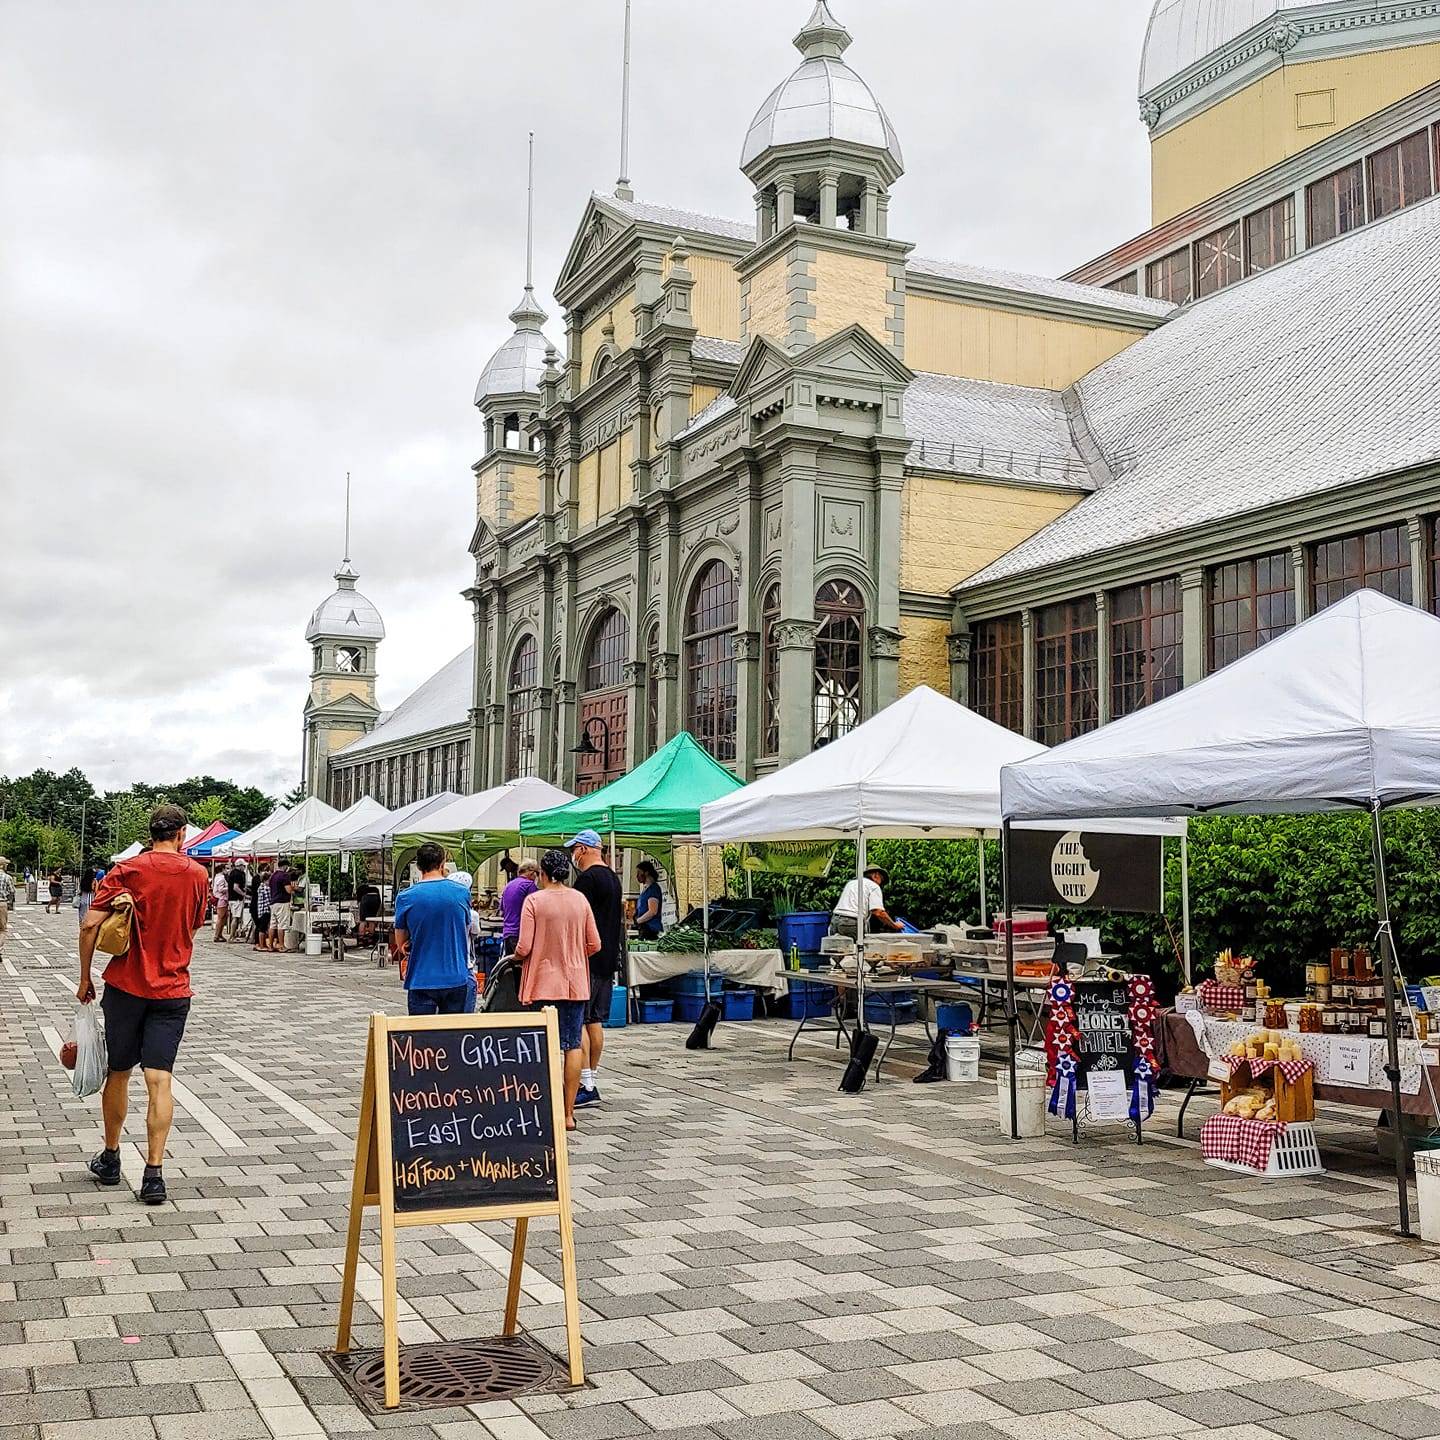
[
  {"x": 984, "y": 908},
  {"x": 1011, "y": 1018},
  {"x": 704, "y": 910},
  {"x": 1185, "y": 899},
  {"x": 862, "y": 923},
  {"x": 1388, "y": 968}
]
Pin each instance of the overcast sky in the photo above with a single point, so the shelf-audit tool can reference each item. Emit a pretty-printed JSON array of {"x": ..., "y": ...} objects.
[{"x": 246, "y": 245}]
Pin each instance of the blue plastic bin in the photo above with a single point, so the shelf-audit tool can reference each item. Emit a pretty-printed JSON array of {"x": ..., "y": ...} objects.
[
  {"x": 689, "y": 1007},
  {"x": 806, "y": 1000},
  {"x": 657, "y": 1012},
  {"x": 694, "y": 984},
  {"x": 957, "y": 1019},
  {"x": 739, "y": 1004},
  {"x": 803, "y": 930},
  {"x": 619, "y": 1008},
  {"x": 879, "y": 1008}
]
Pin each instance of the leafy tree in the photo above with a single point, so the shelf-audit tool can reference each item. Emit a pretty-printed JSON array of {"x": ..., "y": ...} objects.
[{"x": 207, "y": 811}]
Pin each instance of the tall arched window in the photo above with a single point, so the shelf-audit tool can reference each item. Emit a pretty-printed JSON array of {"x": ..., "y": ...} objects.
[
  {"x": 522, "y": 750},
  {"x": 839, "y": 657},
  {"x": 710, "y": 623},
  {"x": 769, "y": 673},
  {"x": 604, "y": 704}
]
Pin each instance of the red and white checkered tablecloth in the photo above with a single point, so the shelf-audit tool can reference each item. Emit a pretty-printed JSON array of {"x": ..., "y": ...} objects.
[
  {"x": 1239, "y": 1141},
  {"x": 1292, "y": 1070},
  {"x": 1218, "y": 999}
]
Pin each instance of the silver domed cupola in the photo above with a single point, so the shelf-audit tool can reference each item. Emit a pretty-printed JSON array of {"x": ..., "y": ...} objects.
[{"x": 345, "y": 615}]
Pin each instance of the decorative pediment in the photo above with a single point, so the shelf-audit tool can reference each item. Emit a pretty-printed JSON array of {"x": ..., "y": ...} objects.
[
  {"x": 763, "y": 362},
  {"x": 856, "y": 354},
  {"x": 598, "y": 227}
]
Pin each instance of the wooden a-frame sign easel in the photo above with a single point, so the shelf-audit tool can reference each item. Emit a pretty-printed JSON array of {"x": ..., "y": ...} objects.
[{"x": 374, "y": 1184}]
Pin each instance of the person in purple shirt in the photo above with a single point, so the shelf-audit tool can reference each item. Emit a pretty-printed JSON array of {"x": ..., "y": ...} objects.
[{"x": 512, "y": 901}]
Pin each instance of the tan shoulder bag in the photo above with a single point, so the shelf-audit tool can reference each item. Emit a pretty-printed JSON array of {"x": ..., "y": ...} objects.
[{"x": 114, "y": 936}]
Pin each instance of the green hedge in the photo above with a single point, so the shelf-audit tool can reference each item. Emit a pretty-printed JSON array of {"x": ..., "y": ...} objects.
[{"x": 1283, "y": 889}]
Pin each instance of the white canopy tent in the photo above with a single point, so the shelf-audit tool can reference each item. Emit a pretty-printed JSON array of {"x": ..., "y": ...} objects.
[
  {"x": 923, "y": 768},
  {"x": 379, "y": 834},
  {"x": 290, "y": 835},
  {"x": 361, "y": 817},
  {"x": 245, "y": 844},
  {"x": 495, "y": 810},
  {"x": 1342, "y": 712}
]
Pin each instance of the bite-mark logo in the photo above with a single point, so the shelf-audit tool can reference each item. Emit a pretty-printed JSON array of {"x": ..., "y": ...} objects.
[{"x": 1074, "y": 877}]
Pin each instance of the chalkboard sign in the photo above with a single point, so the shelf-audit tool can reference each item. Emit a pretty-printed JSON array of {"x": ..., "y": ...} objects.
[
  {"x": 1102, "y": 1016},
  {"x": 471, "y": 1117},
  {"x": 461, "y": 1119}
]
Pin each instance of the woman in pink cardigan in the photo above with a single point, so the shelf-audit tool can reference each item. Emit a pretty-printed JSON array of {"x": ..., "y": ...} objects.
[{"x": 557, "y": 939}]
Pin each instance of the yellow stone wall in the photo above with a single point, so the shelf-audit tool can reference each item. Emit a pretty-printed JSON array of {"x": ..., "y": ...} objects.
[
  {"x": 524, "y": 481},
  {"x": 324, "y": 691},
  {"x": 850, "y": 289},
  {"x": 952, "y": 528},
  {"x": 588, "y": 486},
  {"x": 1278, "y": 116},
  {"x": 701, "y": 396},
  {"x": 628, "y": 483},
  {"x": 767, "y": 302},
  {"x": 609, "y": 500},
  {"x": 525, "y": 495},
  {"x": 924, "y": 653},
  {"x": 715, "y": 300},
  {"x": 333, "y": 740},
  {"x": 1011, "y": 347},
  {"x": 487, "y": 498},
  {"x": 592, "y": 337}
]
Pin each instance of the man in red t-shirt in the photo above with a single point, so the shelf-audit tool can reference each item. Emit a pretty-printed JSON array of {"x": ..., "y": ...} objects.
[{"x": 147, "y": 989}]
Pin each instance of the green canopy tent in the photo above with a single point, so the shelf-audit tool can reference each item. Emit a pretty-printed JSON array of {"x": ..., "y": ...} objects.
[{"x": 644, "y": 809}]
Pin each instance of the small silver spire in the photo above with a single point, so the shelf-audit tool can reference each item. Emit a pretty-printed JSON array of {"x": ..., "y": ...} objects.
[
  {"x": 622, "y": 185},
  {"x": 823, "y": 36},
  {"x": 346, "y": 561},
  {"x": 530, "y": 216}
]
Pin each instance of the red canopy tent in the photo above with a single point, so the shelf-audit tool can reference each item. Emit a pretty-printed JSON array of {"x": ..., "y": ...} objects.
[{"x": 214, "y": 828}]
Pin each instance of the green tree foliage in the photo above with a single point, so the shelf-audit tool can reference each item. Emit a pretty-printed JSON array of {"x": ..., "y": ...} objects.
[
  {"x": 207, "y": 811},
  {"x": 49, "y": 799}
]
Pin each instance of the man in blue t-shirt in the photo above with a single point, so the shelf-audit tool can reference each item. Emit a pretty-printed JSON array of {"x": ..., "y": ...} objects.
[{"x": 432, "y": 929}]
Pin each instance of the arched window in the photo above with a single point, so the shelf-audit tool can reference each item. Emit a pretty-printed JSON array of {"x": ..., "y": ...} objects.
[
  {"x": 605, "y": 664},
  {"x": 602, "y": 366},
  {"x": 839, "y": 652},
  {"x": 769, "y": 673},
  {"x": 710, "y": 623},
  {"x": 512, "y": 432},
  {"x": 652, "y": 691},
  {"x": 522, "y": 751}
]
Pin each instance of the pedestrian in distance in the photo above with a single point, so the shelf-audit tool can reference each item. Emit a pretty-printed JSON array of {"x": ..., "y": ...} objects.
[
  {"x": 147, "y": 989},
  {"x": 558, "y": 938},
  {"x": 7, "y": 898},
  {"x": 85, "y": 894},
  {"x": 238, "y": 880},
  {"x": 512, "y": 901},
  {"x": 220, "y": 891},
  {"x": 600, "y": 886},
  {"x": 281, "y": 887},
  {"x": 260, "y": 908},
  {"x": 56, "y": 890},
  {"x": 432, "y": 934},
  {"x": 649, "y": 903}
]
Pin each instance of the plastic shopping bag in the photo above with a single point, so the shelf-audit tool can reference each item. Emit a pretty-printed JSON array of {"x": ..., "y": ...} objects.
[{"x": 88, "y": 1038}]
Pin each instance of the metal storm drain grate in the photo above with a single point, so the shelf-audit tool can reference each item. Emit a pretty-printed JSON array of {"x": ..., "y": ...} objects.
[{"x": 453, "y": 1372}]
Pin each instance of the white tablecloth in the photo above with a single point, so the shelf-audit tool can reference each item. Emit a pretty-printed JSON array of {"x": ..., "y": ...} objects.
[
  {"x": 764, "y": 968},
  {"x": 1221, "y": 1034}
]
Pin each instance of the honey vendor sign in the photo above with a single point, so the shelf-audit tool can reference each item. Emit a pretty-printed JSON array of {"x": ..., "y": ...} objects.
[
  {"x": 461, "y": 1119},
  {"x": 1100, "y": 1036}
]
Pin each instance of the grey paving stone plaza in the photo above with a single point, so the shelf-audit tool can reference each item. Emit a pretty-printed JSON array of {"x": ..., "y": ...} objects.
[{"x": 760, "y": 1258}]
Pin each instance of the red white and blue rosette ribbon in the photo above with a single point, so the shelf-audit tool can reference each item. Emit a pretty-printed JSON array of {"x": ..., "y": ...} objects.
[
  {"x": 1063, "y": 1046},
  {"x": 1143, "y": 1014}
]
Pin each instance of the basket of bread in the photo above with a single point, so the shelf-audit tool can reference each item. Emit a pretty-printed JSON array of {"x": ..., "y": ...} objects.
[{"x": 1254, "y": 1103}]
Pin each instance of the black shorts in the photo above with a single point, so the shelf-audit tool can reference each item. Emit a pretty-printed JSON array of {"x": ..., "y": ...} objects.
[
  {"x": 602, "y": 985},
  {"x": 142, "y": 1032}
]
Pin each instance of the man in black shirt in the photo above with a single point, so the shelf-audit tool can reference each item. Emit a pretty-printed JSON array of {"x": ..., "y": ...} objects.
[{"x": 600, "y": 885}]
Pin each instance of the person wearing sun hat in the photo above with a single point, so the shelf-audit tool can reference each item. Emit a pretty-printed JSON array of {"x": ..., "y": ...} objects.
[
  {"x": 600, "y": 885},
  {"x": 845, "y": 918}
]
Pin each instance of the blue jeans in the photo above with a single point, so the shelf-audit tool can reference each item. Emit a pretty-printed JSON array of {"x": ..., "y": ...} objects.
[{"x": 457, "y": 1000}]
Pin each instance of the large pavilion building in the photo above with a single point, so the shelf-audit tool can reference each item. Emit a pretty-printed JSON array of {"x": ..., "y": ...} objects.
[{"x": 772, "y": 474}]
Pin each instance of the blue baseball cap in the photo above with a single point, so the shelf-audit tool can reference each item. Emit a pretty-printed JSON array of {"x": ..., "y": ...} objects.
[{"x": 584, "y": 837}]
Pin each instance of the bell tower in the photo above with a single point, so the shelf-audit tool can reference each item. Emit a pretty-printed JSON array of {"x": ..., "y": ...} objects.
[
  {"x": 344, "y": 634},
  {"x": 822, "y": 155}
]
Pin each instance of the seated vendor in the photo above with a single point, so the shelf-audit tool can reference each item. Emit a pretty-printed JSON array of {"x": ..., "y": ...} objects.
[
  {"x": 648, "y": 902},
  {"x": 845, "y": 918}
]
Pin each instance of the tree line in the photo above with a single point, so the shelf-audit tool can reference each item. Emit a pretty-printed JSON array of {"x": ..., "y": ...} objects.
[{"x": 49, "y": 819}]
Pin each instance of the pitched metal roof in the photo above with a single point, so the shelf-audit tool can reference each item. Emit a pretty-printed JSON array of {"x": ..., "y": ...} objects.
[
  {"x": 975, "y": 427},
  {"x": 707, "y": 347},
  {"x": 345, "y": 614},
  {"x": 1040, "y": 285},
  {"x": 442, "y": 701},
  {"x": 1310, "y": 376},
  {"x": 674, "y": 219}
]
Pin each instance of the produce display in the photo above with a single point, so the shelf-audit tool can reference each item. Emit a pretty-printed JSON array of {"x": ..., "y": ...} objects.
[
  {"x": 1267, "y": 1045},
  {"x": 1252, "y": 1104}
]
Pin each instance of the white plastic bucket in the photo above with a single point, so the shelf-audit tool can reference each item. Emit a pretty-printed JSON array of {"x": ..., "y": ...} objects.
[
  {"x": 1030, "y": 1103},
  {"x": 962, "y": 1057},
  {"x": 1427, "y": 1186},
  {"x": 314, "y": 943}
]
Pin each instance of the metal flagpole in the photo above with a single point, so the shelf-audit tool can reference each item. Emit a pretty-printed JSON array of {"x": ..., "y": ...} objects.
[
  {"x": 622, "y": 185},
  {"x": 1185, "y": 900},
  {"x": 1012, "y": 1018},
  {"x": 1388, "y": 967},
  {"x": 984, "y": 907}
]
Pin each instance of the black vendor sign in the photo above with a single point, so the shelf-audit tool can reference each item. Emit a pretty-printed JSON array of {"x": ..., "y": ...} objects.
[
  {"x": 1085, "y": 871},
  {"x": 1102, "y": 1018}
]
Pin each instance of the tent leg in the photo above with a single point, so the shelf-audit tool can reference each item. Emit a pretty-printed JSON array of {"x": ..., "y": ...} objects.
[
  {"x": 1012, "y": 1018},
  {"x": 862, "y": 923},
  {"x": 1185, "y": 902},
  {"x": 984, "y": 906},
  {"x": 1388, "y": 968}
]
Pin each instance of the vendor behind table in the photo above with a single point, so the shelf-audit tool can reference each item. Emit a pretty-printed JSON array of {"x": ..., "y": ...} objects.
[{"x": 845, "y": 918}]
